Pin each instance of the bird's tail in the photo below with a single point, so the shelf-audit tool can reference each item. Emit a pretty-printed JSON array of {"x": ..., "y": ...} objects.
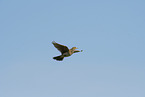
[{"x": 58, "y": 58}]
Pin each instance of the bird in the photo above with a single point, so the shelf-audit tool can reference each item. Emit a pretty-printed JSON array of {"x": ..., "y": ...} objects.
[{"x": 65, "y": 51}]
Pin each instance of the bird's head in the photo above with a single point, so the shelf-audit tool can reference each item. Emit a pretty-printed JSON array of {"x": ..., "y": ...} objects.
[{"x": 73, "y": 48}]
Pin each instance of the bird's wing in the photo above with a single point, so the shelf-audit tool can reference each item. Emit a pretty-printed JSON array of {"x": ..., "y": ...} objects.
[{"x": 60, "y": 47}]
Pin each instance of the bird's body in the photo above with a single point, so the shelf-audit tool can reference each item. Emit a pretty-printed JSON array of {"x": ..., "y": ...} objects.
[{"x": 65, "y": 52}]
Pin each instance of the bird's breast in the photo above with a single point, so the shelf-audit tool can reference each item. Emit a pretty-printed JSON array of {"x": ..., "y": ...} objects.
[{"x": 66, "y": 54}]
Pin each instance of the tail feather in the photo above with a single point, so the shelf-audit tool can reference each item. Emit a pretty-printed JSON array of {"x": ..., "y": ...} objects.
[{"x": 58, "y": 58}]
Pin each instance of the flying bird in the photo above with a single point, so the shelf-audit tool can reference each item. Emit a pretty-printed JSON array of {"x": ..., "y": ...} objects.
[{"x": 65, "y": 52}]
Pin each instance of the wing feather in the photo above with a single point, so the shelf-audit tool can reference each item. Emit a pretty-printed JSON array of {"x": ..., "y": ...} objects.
[{"x": 60, "y": 47}]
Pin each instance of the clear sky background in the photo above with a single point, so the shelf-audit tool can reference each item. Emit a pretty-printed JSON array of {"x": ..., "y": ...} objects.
[{"x": 111, "y": 33}]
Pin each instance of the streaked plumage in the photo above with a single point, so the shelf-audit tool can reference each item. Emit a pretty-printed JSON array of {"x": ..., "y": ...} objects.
[{"x": 65, "y": 52}]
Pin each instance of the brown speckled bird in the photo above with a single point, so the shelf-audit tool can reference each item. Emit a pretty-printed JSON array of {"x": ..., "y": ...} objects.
[{"x": 65, "y": 52}]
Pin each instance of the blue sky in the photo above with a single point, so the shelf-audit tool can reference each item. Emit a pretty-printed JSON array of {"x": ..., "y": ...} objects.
[{"x": 111, "y": 33}]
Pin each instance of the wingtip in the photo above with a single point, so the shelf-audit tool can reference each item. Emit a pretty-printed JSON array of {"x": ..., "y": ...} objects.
[{"x": 53, "y": 41}]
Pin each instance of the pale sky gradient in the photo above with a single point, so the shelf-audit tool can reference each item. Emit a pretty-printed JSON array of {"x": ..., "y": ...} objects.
[{"x": 111, "y": 33}]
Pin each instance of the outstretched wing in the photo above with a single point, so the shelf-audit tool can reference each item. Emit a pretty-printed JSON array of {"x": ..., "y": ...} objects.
[{"x": 60, "y": 47}]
